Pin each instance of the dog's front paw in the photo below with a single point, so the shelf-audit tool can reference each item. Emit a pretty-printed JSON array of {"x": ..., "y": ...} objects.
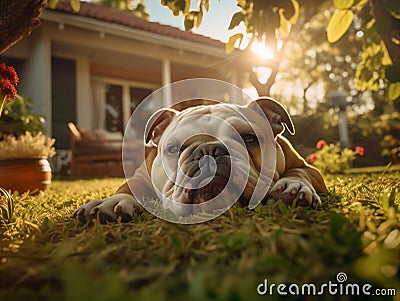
[
  {"x": 118, "y": 206},
  {"x": 295, "y": 190}
]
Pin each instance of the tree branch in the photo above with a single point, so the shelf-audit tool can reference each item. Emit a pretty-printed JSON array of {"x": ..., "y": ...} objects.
[{"x": 379, "y": 12}]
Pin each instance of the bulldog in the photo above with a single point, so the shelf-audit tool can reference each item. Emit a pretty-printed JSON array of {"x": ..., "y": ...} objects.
[{"x": 217, "y": 152}]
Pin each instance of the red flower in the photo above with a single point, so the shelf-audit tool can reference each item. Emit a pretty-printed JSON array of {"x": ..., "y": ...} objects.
[
  {"x": 8, "y": 89},
  {"x": 8, "y": 80},
  {"x": 311, "y": 158},
  {"x": 359, "y": 150},
  {"x": 8, "y": 72},
  {"x": 321, "y": 144}
]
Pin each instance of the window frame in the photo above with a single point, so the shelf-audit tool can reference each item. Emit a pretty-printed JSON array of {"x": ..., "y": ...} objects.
[{"x": 126, "y": 96}]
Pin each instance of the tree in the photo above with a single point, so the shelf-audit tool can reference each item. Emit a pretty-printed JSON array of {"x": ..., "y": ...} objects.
[
  {"x": 135, "y": 7},
  {"x": 273, "y": 20},
  {"x": 381, "y": 43},
  {"x": 311, "y": 62},
  {"x": 17, "y": 19}
]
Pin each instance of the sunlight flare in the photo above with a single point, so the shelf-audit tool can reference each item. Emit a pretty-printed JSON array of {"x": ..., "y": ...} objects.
[{"x": 260, "y": 49}]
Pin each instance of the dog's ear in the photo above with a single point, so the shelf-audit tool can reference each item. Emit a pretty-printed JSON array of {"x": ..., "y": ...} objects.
[
  {"x": 157, "y": 124},
  {"x": 277, "y": 115}
]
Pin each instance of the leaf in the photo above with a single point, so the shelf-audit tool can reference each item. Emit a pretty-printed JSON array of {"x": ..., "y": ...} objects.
[
  {"x": 288, "y": 8},
  {"x": 285, "y": 25},
  {"x": 53, "y": 3},
  {"x": 373, "y": 83},
  {"x": 338, "y": 24},
  {"x": 206, "y": 4},
  {"x": 6, "y": 206},
  {"x": 76, "y": 5},
  {"x": 360, "y": 3},
  {"x": 230, "y": 45},
  {"x": 394, "y": 91},
  {"x": 392, "y": 197},
  {"x": 393, "y": 7},
  {"x": 236, "y": 19},
  {"x": 189, "y": 23},
  {"x": 336, "y": 224},
  {"x": 343, "y": 4},
  {"x": 296, "y": 14},
  {"x": 362, "y": 77},
  {"x": 177, "y": 6},
  {"x": 370, "y": 24},
  {"x": 199, "y": 18},
  {"x": 386, "y": 59},
  {"x": 190, "y": 20},
  {"x": 183, "y": 5},
  {"x": 392, "y": 73},
  {"x": 242, "y": 4},
  {"x": 387, "y": 199}
]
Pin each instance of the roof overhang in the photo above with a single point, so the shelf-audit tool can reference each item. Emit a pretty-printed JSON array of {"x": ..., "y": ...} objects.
[{"x": 134, "y": 34}]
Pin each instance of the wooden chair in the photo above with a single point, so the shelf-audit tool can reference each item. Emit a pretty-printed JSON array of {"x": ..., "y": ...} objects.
[{"x": 93, "y": 157}]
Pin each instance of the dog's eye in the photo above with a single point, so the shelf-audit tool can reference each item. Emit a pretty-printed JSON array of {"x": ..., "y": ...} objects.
[
  {"x": 250, "y": 138},
  {"x": 173, "y": 148}
]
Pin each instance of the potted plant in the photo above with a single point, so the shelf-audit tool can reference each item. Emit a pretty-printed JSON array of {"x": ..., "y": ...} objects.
[{"x": 24, "y": 149}]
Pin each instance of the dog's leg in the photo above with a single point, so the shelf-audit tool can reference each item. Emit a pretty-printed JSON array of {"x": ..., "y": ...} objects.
[
  {"x": 300, "y": 182},
  {"x": 122, "y": 205},
  {"x": 110, "y": 209}
]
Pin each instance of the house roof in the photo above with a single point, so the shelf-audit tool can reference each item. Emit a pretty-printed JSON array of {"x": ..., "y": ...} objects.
[{"x": 110, "y": 15}]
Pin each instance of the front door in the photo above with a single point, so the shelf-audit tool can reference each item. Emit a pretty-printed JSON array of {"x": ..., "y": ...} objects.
[{"x": 63, "y": 99}]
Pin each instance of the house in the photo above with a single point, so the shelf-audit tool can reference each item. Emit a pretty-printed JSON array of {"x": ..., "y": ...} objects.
[{"x": 94, "y": 67}]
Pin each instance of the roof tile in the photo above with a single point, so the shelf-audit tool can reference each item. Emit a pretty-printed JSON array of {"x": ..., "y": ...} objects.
[{"x": 110, "y": 15}]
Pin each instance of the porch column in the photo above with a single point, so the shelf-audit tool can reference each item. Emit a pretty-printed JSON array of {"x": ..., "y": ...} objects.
[
  {"x": 36, "y": 77},
  {"x": 84, "y": 104},
  {"x": 166, "y": 80}
]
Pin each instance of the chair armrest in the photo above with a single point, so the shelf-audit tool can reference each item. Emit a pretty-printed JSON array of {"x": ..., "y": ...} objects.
[{"x": 98, "y": 142}]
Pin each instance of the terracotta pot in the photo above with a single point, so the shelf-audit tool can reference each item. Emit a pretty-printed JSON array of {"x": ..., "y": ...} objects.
[{"x": 24, "y": 175}]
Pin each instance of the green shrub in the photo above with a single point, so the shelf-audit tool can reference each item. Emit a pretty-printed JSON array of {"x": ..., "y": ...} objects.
[
  {"x": 331, "y": 159},
  {"x": 17, "y": 118}
]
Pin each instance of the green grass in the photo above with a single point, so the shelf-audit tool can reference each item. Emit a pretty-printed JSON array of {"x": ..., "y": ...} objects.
[{"x": 45, "y": 255}]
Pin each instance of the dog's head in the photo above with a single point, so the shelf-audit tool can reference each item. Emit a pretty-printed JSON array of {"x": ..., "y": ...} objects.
[{"x": 219, "y": 152}]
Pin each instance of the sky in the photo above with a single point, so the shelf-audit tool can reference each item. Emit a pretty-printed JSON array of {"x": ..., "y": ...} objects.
[{"x": 215, "y": 21}]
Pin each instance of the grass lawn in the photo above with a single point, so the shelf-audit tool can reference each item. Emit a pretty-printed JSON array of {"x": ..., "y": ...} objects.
[{"x": 45, "y": 255}]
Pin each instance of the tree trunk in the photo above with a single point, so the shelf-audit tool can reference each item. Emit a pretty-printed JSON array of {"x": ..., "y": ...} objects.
[{"x": 17, "y": 19}]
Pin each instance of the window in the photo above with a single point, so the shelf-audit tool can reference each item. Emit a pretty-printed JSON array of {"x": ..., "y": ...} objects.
[
  {"x": 137, "y": 95},
  {"x": 114, "y": 117},
  {"x": 115, "y": 100}
]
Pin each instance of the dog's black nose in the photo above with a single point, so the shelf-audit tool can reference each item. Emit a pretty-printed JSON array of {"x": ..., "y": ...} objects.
[
  {"x": 212, "y": 149},
  {"x": 212, "y": 159},
  {"x": 212, "y": 166}
]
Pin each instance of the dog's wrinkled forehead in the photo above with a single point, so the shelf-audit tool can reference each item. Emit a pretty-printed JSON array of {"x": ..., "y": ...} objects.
[
  {"x": 210, "y": 119},
  {"x": 262, "y": 113},
  {"x": 222, "y": 111}
]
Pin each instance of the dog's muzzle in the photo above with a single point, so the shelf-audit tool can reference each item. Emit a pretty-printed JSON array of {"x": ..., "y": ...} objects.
[{"x": 209, "y": 172}]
